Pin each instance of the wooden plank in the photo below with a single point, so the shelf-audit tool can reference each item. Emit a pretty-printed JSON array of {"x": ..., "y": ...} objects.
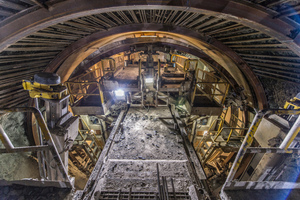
[
  {"x": 215, "y": 25},
  {"x": 10, "y": 75},
  {"x": 241, "y": 35},
  {"x": 72, "y": 29},
  {"x": 21, "y": 69},
  {"x": 270, "y": 56},
  {"x": 28, "y": 49},
  {"x": 36, "y": 63},
  {"x": 37, "y": 43},
  {"x": 14, "y": 94},
  {"x": 207, "y": 23},
  {"x": 28, "y": 2},
  {"x": 270, "y": 65},
  {"x": 37, "y": 54},
  {"x": 262, "y": 49},
  {"x": 15, "y": 88},
  {"x": 256, "y": 45},
  {"x": 278, "y": 75},
  {"x": 6, "y": 13},
  {"x": 8, "y": 102},
  {"x": 54, "y": 35},
  {"x": 49, "y": 58},
  {"x": 81, "y": 25},
  {"x": 283, "y": 70},
  {"x": 249, "y": 40},
  {"x": 11, "y": 5},
  {"x": 225, "y": 29},
  {"x": 46, "y": 40},
  {"x": 273, "y": 61}
]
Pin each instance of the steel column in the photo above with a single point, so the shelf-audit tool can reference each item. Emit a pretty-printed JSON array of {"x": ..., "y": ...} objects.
[
  {"x": 291, "y": 135},
  {"x": 5, "y": 140},
  {"x": 246, "y": 143}
]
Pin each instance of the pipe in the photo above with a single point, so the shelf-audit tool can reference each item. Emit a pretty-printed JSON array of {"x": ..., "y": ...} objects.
[
  {"x": 25, "y": 149},
  {"x": 291, "y": 135},
  {"x": 40, "y": 155},
  {"x": 166, "y": 188},
  {"x": 5, "y": 140},
  {"x": 173, "y": 189},
  {"x": 158, "y": 181},
  {"x": 130, "y": 191}
]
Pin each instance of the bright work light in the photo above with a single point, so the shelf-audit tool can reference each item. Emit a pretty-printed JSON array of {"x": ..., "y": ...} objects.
[
  {"x": 119, "y": 93},
  {"x": 149, "y": 80}
]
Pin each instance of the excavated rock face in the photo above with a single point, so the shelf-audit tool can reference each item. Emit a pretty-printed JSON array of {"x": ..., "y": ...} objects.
[
  {"x": 147, "y": 140},
  {"x": 16, "y": 166},
  {"x": 278, "y": 92},
  {"x": 13, "y": 124},
  {"x": 34, "y": 193}
]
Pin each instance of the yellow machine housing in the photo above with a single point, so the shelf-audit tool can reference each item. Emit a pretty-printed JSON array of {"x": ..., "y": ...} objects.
[{"x": 46, "y": 86}]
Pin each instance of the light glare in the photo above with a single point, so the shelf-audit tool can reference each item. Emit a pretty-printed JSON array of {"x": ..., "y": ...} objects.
[
  {"x": 149, "y": 80},
  {"x": 119, "y": 93}
]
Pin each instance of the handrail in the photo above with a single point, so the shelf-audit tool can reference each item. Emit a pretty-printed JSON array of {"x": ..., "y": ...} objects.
[
  {"x": 111, "y": 70},
  {"x": 231, "y": 130},
  {"x": 98, "y": 86},
  {"x": 79, "y": 77},
  {"x": 248, "y": 139},
  {"x": 212, "y": 87},
  {"x": 186, "y": 63},
  {"x": 49, "y": 140}
]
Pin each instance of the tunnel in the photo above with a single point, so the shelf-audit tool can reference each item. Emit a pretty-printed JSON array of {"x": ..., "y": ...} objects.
[{"x": 149, "y": 99}]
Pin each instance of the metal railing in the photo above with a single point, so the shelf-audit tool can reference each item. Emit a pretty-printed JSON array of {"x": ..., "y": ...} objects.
[
  {"x": 88, "y": 83},
  {"x": 230, "y": 133},
  {"x": 184, "y": 62},
  {"x": 79, "y": 90},
  {"x": 48, "y": 147},
  {"x": 245, "y": 148},
  {"x": 210, "y": 86}
]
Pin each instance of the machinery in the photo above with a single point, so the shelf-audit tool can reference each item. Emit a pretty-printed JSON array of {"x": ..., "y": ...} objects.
[
  {"x": 60, "y": 121},
  {"x": 154, "y": 124}
]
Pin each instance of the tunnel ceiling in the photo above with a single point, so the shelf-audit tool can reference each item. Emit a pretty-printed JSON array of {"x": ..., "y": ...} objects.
[{"x": 31, "y": 35}]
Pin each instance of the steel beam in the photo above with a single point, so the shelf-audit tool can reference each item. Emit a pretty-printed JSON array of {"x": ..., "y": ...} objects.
[
  {"x": 248, "y": 14},
  {"x": 5, "y": 140},
  {"x": 25, "y": 149},
  {"x": 293, "y": 132},
  {"x": 246, "y": 143},
  {"x": 93, "y": 180},
  {"x": 248, "y": 185},
  {"x": 271, "y": 150}
]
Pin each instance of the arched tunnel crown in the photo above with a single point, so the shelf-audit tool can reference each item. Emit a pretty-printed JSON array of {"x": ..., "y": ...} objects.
[{"x": 262, "y": 46}]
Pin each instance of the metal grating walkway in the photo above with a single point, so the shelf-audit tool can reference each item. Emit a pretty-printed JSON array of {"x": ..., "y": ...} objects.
[{"x": 106, "y": 195}]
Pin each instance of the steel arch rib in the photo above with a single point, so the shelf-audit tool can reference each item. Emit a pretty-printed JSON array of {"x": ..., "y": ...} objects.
[{"x": 247, "y": 14}]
